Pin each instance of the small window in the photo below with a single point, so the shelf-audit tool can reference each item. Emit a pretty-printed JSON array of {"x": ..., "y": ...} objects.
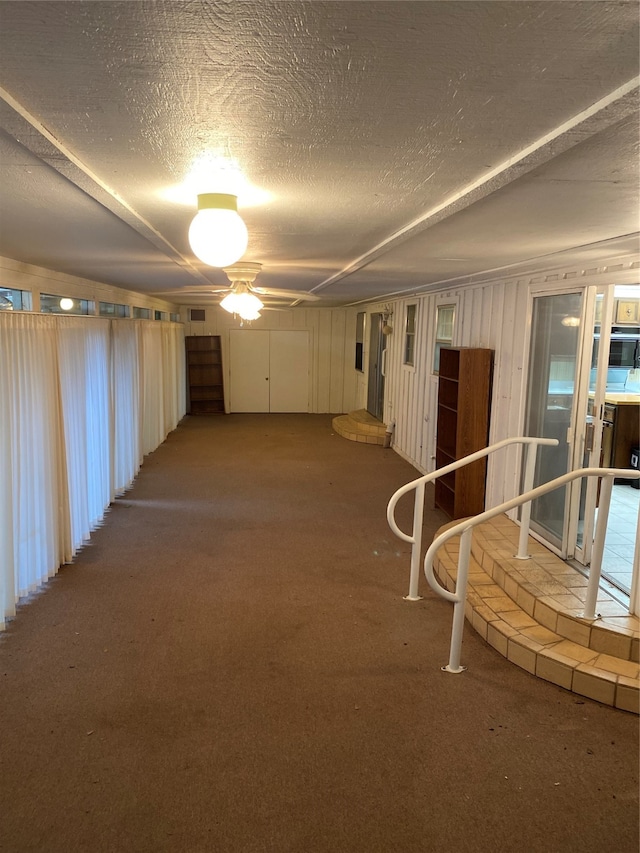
[
  {"x": 159, "y": 315},
  {"x": 174, "y": 318},
  {"x": 197, "y": 314},
  {"x": 52, "y": 303},
  {"x": 112, "y": 309},
  {"x": 410, "y": 335},
  {"x": 444, "y": 332},
  {"x": 15, "y": 300},
  {"x": 360, "y": 319},
  {"x": 142, "y": 313}
]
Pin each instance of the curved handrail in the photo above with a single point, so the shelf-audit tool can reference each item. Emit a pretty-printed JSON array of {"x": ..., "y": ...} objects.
[
  {"x": 419, "y": 485},
  {"x": 464, "y": 529},
  {"x": 453, "y": 466}
]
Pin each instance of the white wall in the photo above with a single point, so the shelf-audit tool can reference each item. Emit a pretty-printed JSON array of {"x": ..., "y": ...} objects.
[
  {"x": 333, "y": 381},
  {"x": 494, "y": 314}
]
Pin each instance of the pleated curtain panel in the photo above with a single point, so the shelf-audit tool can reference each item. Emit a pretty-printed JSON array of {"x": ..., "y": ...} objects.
[{"x": 82, "y": 401}]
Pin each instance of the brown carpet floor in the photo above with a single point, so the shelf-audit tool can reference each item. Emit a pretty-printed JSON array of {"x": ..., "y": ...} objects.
[{"x": 229, "y": 666}]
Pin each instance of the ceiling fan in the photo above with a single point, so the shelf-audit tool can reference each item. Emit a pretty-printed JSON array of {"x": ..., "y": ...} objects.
[{"x": 242, "y": 276}]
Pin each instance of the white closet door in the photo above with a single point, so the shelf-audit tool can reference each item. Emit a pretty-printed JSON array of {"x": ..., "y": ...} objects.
[
  {"x": 289, "y": 372},
  {"x": 249, "y": 370},
  {"x": 269, "y": 371}
]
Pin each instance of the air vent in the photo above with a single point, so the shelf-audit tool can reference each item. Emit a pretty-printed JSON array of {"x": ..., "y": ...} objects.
[{"x": 197, "y": 314}]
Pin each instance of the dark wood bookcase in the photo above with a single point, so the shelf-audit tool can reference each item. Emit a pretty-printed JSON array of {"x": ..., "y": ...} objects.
[
  {"x": 205, "y": 390},
  {"x": 464, "y": 406}
]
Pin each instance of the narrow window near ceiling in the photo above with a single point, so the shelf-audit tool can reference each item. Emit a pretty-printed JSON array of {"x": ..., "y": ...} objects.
[
  {"x": 55, "y": 303},
  {"x": 360, "y": 339},
  {"x": 113, "y": 309},
  {"x": 142, "y": 313},
  {"x": 444, "y": 332},
  {"x": 410, "y": 335},
  {"x": 159, "y": 315},
  {"x": 15, "y": 300}
]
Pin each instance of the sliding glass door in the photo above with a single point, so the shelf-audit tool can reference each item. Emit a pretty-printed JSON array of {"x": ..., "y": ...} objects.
[{"x": 553, "y": 372}]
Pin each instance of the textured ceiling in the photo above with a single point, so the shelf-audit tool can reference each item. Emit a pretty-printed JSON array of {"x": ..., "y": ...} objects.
[{"x": 402, "y": 144}]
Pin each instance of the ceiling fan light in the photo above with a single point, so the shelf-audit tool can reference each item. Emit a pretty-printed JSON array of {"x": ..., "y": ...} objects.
[
  {"x": 229, "y": 303},
  {"x": 250, "y": 302},
  {"x": 217, "y": 234},
  {"x": 241, "y": 303},
  {"x": 249, "y": 314}
]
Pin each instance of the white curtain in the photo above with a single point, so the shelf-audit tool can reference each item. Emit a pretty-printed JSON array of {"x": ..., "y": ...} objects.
[
  {"x": 81, "y": 401},
  {"x": 126, "y": 409},
  {"x": 83, "y": 360}
]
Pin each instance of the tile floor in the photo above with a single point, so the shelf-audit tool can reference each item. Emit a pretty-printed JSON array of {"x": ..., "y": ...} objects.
[{"x": 617, "y": 561}]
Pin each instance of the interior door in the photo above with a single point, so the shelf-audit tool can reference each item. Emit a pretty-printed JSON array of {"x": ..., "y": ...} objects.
[
  {"x": 248, "y": 370},
  {"x": 269, "y": 371},
  {"x": 375, "y": 385}
]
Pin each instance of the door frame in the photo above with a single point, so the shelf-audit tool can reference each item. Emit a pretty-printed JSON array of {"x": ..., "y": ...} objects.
[{"x": 578, "y": 456}]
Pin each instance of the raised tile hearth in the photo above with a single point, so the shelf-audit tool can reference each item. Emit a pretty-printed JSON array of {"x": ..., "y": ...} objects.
[
  {"x": 360, "y": 426},
  {"x": 531, "y": 612}
]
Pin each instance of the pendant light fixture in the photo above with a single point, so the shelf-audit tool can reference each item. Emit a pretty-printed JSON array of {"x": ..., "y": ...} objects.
[{"x": 217, "y": 234}]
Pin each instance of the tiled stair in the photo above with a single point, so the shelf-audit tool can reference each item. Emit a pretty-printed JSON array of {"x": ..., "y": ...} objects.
[
  {"x": 360, "y": 426},
  {"x": 530, "y": 612}
]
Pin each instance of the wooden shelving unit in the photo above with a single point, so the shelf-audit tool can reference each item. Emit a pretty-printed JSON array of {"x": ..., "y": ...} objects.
[
  {"x": 464, "y": 403},
  {"x": 205, "y": 387}
]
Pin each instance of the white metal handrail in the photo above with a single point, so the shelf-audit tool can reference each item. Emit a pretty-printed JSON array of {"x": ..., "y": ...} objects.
[
  {"x": 464, "y": 530},
  {"x": 531, "y": 444}
]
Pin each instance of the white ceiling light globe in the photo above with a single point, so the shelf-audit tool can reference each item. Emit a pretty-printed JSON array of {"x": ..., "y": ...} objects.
[
  {"x": 217, "y": 234},
  {"x": 66, "y": 304}
]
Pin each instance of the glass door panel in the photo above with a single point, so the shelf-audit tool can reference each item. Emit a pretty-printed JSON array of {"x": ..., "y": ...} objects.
[{"x": 553, "y": 357}]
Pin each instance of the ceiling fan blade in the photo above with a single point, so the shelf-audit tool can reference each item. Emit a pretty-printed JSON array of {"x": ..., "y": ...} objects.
[
  {"x": 285, "y": 294},
  {"x": 191, "y": 291}
]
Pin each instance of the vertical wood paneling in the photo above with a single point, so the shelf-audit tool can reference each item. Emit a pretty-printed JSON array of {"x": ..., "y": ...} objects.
[
  {"x": 491, "y": 315},
  {"x": 336, "y": 364},
  {"x": 332, "y": 386},
  {"x": 323, "y": 349}
]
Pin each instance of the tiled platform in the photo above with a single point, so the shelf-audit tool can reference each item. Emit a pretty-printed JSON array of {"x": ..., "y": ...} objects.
[
  {"x": 531, "y": 612},
  {"x": 360, "y": 426}
]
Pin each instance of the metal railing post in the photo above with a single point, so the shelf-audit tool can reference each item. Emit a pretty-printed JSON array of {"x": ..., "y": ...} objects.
[
  {"x": 458, "y": 607},
  {"x": 416, "y": 548},
  {"x": 464, "y": 530},
  {"x": 416, "y": 538},
  {"x": 525, "y": 515},
  {"x": 597, "y": 551}
]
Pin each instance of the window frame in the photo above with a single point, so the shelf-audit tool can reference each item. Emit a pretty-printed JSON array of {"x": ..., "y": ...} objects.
[
  {"x": 410, "y": 334},
  {"x": 442, "y": 341}
]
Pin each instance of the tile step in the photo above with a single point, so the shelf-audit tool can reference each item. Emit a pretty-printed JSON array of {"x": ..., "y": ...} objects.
[
  {"x": 598, "y": 659},
  {"x": 360, "y": 426}
]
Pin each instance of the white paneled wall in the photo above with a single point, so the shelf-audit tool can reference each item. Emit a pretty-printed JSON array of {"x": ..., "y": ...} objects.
[
  {"x": 492, "y": 316},
  {"x": 333, "y": 380},
  {"x": 496, "y": 315}
]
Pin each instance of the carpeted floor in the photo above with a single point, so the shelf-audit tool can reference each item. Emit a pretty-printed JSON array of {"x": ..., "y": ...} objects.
[{"x": 229, "y": 666}]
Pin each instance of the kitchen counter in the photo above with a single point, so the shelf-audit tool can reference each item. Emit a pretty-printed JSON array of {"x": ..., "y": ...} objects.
[{"x": 622, "y": 398}]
